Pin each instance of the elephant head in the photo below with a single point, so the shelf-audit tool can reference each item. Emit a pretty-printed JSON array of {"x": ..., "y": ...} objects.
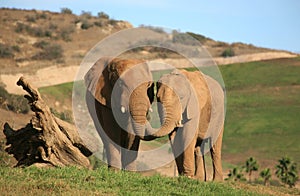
[
  {"x": 125, "y": 86},
  {"x": 178, "y": 103}
]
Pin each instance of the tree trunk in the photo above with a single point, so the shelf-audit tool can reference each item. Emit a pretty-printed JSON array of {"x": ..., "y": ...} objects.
[{"x": 45, "y": 139}]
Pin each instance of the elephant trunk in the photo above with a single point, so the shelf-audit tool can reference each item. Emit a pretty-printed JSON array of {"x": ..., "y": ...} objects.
[
  {"x": 139, "y": 105},
  {"x": 168, "y": 123},
  {"x": 169, "y": 109}
]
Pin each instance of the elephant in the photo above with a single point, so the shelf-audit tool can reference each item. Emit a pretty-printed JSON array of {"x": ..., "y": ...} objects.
[
  {"x": 191, "y": 109},
  {"x": 114, "y": 84}
]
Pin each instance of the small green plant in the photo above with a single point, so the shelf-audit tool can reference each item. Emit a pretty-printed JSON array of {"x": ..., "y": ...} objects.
[
  {"x": 236, "y": 174},
  {"x": 15, "y": 103},
  {"x": 65, "y": 10},
  {"x": 251, "y": 165},
  {"x": 266, "y": 175},
  {"x": 228, "y": 52},
  {"x": 85, "y": 25},
  {"x": 6, "y": 51},
  {"x": 86, "y": 15},
  {"x": 103, "y": 15},
  {"x": 50, "y": 52},
  {"x": 287, "y": 172},
  {"x": 66, "y": 115}
]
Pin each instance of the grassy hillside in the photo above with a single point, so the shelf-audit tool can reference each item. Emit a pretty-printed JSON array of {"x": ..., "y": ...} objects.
[
  {"x": 263, "y": 109},
  {"x": 74, "y": 181}
]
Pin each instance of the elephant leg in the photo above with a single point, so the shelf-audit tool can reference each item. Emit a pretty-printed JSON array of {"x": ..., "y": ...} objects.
[
  {"x": 176, "y": 151},
  {"x": 111, "y": 138},
  {"x": 200, "y": 171},
  {"x": 184, "y": 147},
  {"x": 130, "y": 152},
  {"x": 107, "y": 128},
  {"x": 216, "y": 158}
]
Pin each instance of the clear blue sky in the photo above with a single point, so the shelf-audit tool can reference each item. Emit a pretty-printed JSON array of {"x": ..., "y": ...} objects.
[{"x": 267, "y": 23}]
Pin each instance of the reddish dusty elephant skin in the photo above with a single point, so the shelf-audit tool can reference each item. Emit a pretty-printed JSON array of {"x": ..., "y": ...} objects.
[
  {"x": 121, "y": 139},
  {"x": 192, "y": 112}
]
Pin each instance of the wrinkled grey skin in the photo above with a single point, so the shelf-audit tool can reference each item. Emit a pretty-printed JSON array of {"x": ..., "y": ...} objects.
[
  {"x": 113, "y": 85},
  {"x": 192, "y": 113}
]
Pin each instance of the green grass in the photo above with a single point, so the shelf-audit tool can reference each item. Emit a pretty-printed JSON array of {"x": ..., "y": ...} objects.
[
  {"x": 60, "y": 91},
  {"x": 74, "y": 181},
  {"x": 263, "y": 109}
]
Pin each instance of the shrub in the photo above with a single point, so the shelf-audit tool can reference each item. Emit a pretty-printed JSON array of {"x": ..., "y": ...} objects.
[
  {"x": 20, "y": 27},
  {"x": 50, "y": 52},
  {"x": 251, "y": 165},
  {"x": 65, "y": 10},
  {"x": 41, "y": 44},
  {"x": 30, "y": 18},
  {"x": 16, "y": 48},
  {"x": 113, "y": 22},
  {"x": 15, "y": 103},
  {"x": 266, "y": 175},
  {"x": 228, "y": 53},
  {"x": 236, "y": 174},
  {"x": 65, "y": 33},
  {"x": 182, "y": 38},
  {"x": 86, "y": 25},
  {"x": 99, "y": 23},
  {"x": 66, "y": 115},
  {"x": 103, "y": 15},
  {"x": 6, "y": 51},
  {"x": 287, "y": 172},
  {"x": 86, "y": 15}
]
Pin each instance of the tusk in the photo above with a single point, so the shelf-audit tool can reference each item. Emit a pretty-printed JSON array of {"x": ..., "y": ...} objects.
[
  {"x": 150, "y": 109},
  {"x": 179, "y": 123},
  {"x": 123, "y": 109}
]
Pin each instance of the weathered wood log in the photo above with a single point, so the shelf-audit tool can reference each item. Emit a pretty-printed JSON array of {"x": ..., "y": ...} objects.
[{"x": 45, "y": 139}]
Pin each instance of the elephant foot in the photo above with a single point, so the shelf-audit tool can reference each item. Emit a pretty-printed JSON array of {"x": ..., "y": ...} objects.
[
  {"x": 218, "y": 178},
  {"x": 114, "y": 169}
]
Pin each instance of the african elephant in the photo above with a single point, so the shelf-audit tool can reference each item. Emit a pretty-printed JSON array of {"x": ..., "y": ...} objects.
[
  {"x": 192, "y": 112},
  {"x": 113, "y": 85}
]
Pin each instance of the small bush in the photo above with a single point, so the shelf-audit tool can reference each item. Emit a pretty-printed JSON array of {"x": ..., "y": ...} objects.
[
  {"x": 266, "y": 176},
  {"x": 31, "y": 18},
  {"x": 41, "y": 44},
  {"x": 113, "y": 22},
  {"x": 16, "y": 48},
  {"x": 250, "y": 166},
  {"x": 6, "y": 51},
  {"x": 228, "y": 53},
  {"x": 20, "y": 27},
  {"x": 236, "y": 174},
  {"x": 287, "y": 172},
  {"x": 66, "y": 32},
  {"x": 66, "y": 115},
  {"x": 103, "y": 15},
  {"x": 99, "y": 23},
  {"x": 42, "y": 16},
  {"x": 15, "y": 103},
  {"x": 66, "y": 10},
  {"x": 50, "y": 52},
  {"x": 86, "y": 15},
  {"x": 86, "y": 25}
]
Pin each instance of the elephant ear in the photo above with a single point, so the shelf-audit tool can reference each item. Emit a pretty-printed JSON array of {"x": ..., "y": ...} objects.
[{"x": 98, "y": 83}]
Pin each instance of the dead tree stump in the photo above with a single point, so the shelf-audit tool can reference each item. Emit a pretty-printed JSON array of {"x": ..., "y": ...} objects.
[{"x": 45, "y": 139}]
